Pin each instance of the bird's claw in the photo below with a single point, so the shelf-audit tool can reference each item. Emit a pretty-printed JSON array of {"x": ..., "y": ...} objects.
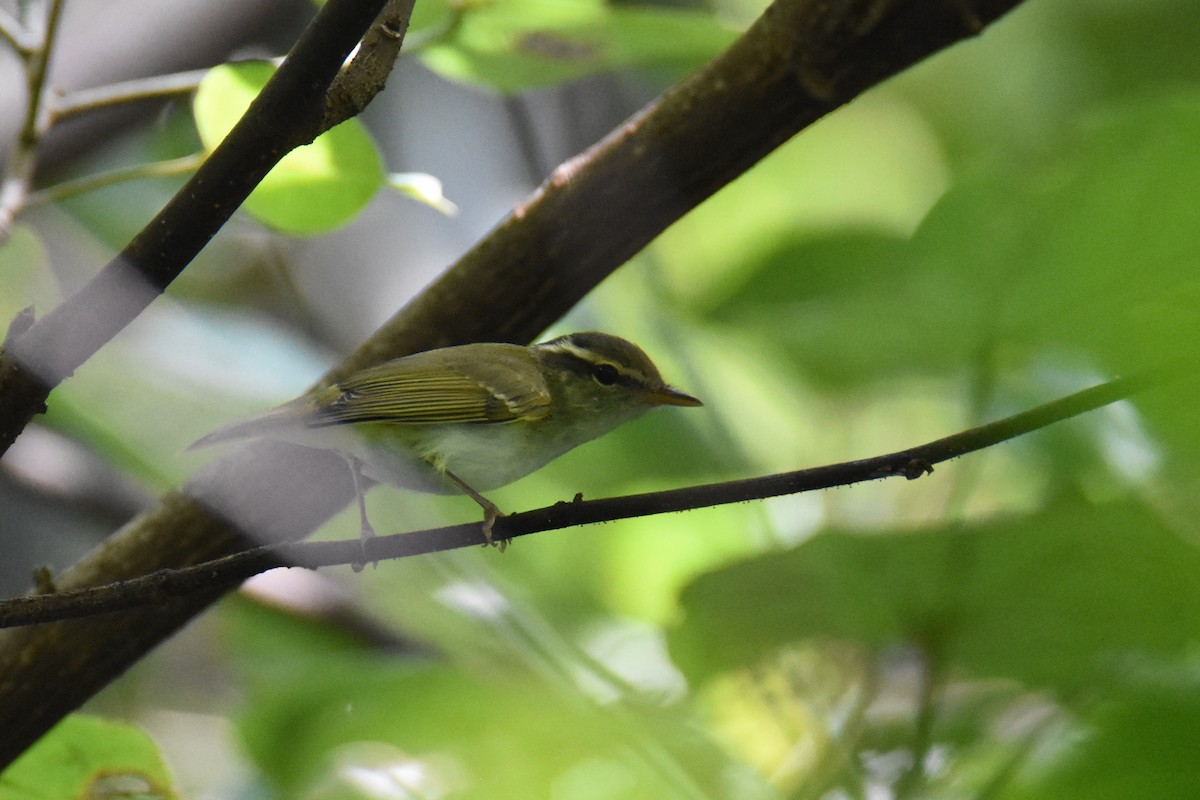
[
  {"x": 490, "y": 515},
  {"x": 365, "y": 534}
]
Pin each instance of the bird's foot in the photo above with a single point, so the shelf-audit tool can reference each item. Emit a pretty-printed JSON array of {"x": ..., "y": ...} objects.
[
  {"x": 365, "y": 534},
  {"x": 490, "y": 514}
]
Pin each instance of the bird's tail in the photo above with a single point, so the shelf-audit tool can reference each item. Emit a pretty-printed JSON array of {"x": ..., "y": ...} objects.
[{"x": 265, "y": 425}]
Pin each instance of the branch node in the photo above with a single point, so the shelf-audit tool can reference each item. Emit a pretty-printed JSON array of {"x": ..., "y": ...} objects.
[
  {"x": 916, "y": 468},
  {"x": 910, "y": 467}
]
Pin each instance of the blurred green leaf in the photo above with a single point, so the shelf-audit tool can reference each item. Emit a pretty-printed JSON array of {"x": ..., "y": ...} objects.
[
  {"x": 88, "y": 757},
  {"x": 1143, "y": 743},
  {"x": 314, "y": 188},
  {"x": 520, "y": 44},
  {"x": 1088, "y": 255},
  {"x": 874, "y": 167},
  {"x": 833, "y": 297},
  {"x": 1055, "y": 599},
  {"x": 1101, "y": 254},
  {"x": 327, "y": 714},
  {"x": 424, "y": 188}
]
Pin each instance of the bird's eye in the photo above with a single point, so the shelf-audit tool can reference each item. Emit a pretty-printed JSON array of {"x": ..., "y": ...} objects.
[{"x": 605, "y": 374}]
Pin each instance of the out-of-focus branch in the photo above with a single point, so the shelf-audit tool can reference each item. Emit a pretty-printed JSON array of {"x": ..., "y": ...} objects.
[
  {"x": 155, "y": 87},
  {"x": 89, "y": 183},
  {"x": 290, "y": 111},
  {"x": 799, "y": 61},
  {"x": 15, "y": 34},
  {"x": 22, "y": 157}
]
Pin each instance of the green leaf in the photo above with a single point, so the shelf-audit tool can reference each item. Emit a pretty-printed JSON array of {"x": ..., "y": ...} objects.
[
  {"x": 1142, "y": 743},
  {"x": 1096, "y": 253},
  {"x": 843, "y": 287},
  {"x": 330, "y": 716},
  {"x": 1087, "y": 256},
  {"x": 512, "y": 45},
  {"x": 1057, "y": 599},
  {"x": 88, "y": 757},
  {"x": 25, "y": 279},
  {"x": 314, "y": 188}
]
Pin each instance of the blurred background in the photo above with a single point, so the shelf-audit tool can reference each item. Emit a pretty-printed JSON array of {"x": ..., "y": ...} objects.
[{"x": 1008, "y": 222}]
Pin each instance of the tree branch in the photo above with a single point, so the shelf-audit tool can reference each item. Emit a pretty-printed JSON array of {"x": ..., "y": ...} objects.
[
  {"x": 227, "y": 572},
  {"x": 799, "y": 61},
  {"x": 366, "y": 74}
]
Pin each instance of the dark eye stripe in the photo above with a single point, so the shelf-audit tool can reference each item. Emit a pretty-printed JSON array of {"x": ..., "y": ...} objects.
[{"x": 567, "y": 358}]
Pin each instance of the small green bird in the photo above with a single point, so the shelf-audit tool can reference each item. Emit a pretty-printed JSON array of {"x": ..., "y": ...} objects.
[{"x": 473, "y": 417}]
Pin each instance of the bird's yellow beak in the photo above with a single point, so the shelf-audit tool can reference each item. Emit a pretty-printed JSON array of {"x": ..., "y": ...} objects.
[{"x": 670, "y": 396}]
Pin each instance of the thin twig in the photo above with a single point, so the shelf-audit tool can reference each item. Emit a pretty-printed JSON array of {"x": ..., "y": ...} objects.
[
  {"x": 38, "y": 67},
  {"x": 19, "y": 38},
  {"x": 22, "y": 158},
  {"x": 231, "y": 570},
  {"x": 156, "y": 87},
  {"x": 156, "y": 169}
]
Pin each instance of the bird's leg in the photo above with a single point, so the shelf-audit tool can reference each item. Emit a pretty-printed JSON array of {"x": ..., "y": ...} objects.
[
  {"x": 365, "y": 530},
  {"x": 490, "y": 511}
]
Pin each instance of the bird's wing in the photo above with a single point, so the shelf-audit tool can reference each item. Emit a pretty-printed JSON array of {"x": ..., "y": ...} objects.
[{"x": 467, "y": 386}]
